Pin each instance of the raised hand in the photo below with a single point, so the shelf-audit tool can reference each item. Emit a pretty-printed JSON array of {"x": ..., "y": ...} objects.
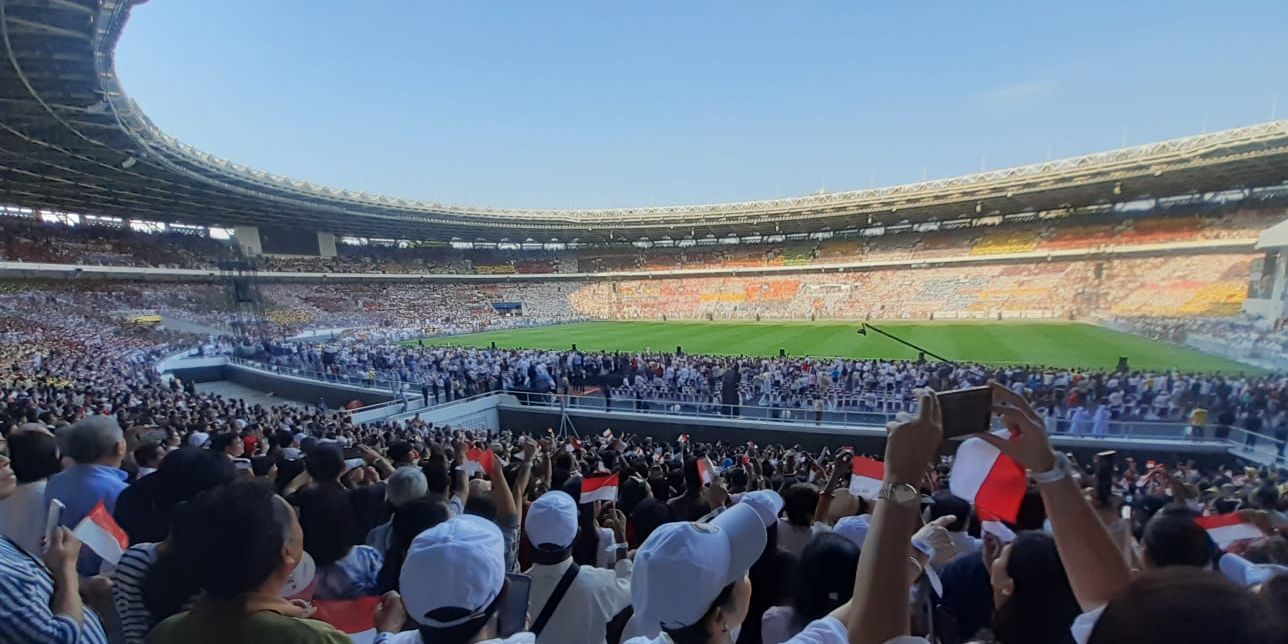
[
  {"x": 912, "y": 443},
  {"x": 1029, "y": 445}
]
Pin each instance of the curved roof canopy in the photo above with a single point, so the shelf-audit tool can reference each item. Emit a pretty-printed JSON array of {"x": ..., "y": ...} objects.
[{"x": 72, "y": 140}]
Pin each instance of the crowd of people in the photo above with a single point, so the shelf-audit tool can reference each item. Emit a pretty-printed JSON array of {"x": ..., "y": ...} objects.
[
  {"x": 113, "y": 242},
  {"x": 246, "y": 524},
  {"x": 1070, "y": 400}
]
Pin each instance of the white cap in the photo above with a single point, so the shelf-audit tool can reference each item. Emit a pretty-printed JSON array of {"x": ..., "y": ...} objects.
[
  {"x": 198, "y": 439},
  {"x": 681, "y": 568},
  {"x": 766, "y": 503},
  {"x": 854, "y": 528},
  {"x": 459, "y": 563},
  {"x": 1248, "y": 574},
  {"x": 301, "y": 578},
  {"x": 552, "y": 520}
]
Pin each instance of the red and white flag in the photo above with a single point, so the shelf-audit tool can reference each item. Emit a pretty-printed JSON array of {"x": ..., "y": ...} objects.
[
  {"x": 1227, "y": 529},
  {"x": 991, "y": 480},
  {"x": 478, "y": 461},
  {"x": 599, "y": 488},
  {"x": 706, "y": 471},
  {"x": 99, "y": 532},
  {"x": 866, "y": 475},
  {"x": 355, "y": 617}
]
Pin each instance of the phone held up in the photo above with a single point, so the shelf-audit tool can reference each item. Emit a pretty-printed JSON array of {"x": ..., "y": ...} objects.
[
  {"x": 512, "y": 616},
  {"x": 53, "y": 518},
  {"x": 966, "y": 411}
]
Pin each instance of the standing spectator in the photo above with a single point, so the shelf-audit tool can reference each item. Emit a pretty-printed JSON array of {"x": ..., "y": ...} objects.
[
  {"x": 35, "y": 459},
  {"x": 823, "y": 582},
  {"x": 345, "y": 570},
  {"x": 97, "y": 446},
  {"x": 569, "y": 603}
]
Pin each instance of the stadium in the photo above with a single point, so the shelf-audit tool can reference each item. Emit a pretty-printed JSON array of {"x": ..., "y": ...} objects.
[{"x": 1134, "y": 297}]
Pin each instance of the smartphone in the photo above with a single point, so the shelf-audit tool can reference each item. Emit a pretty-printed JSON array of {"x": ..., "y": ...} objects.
[
  {"x": 512, "y": 615},
  {"x": 53, "y": 519},
  {"x": 966, "y": 411}
]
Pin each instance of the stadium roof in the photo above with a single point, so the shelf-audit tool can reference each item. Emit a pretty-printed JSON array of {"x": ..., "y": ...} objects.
[{"x": 72, "y": 140}]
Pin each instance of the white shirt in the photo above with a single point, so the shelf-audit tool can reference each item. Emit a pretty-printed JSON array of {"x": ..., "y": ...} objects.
[
  {"x": 593, "y": 599},
  {"x": 22, "y": 516}
]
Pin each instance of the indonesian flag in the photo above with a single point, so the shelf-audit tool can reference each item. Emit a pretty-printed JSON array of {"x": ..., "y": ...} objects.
[
  {"x": 99, "y": 532},
  {"x": 706, "y": 471},
  {"x": 989, "y": 479},
  {"x": 599, "y": 488},
  {"x": 1226, "y": 529},
  {"x": 478, "y": 461},
  {"x": 356, "y": 617},
  {"x": 865, "y": 477}
]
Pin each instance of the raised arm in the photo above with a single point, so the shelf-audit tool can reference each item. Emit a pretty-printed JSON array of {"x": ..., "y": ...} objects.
[
  {"x": 521, "y": 481},
  {"x": 878, "y": 612},
  {"x": 1097, "y": 572}
]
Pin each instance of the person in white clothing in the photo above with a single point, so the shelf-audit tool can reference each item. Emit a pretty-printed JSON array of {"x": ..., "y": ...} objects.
[
  {"x": 591, "y": 597},
  {"x": 453, "y": 587}
]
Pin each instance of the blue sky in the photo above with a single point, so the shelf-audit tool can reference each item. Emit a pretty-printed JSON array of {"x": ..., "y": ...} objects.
[{"x": 605, "y": 104}]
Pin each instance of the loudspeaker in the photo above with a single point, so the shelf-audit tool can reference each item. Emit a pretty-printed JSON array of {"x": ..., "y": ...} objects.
[
  {"x": 494, "y": 345},
  {"x": 1122, "y": 364},
  {"x": 782, "y": 353},
  {"x": 679, "y": 351},
  {"x": 574, "y": 346}
]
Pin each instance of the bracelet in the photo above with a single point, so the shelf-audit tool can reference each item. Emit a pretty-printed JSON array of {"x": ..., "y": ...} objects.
[
  {"x": 1058, "y": 472},
  {"x": 920, "y": 568}
]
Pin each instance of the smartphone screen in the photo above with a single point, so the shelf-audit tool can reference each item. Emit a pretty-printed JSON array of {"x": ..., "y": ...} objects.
[
  {"x": 512, "y": 617},
  {"x": 966, "y": 411},
  {"x": 53, "y": 519}
]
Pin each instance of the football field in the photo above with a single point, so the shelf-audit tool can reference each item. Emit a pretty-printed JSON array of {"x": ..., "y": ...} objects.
[{"x": 1059, "y": 344}]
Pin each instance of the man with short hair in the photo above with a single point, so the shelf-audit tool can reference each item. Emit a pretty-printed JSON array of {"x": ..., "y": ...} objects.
[
  {"x": 569, "y": 603},
  {"x": 97, "y": 446}
]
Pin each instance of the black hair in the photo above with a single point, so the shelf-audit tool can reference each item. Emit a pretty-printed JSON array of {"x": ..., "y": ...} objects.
[
  {"x": 324, "y": 463},
  {"x": 799, "y": 503},
  {"x": 187, "y": 472},
  {"x": 1186, "y": 605},
  {"x": 262, "y": 465},
  {"x": 481, "y": 505},
  {"x": 1267, "y": 497},
  {"x": 287, "y": 470},
  {"x": 232, "y": 538},
  {"x": 632, "y": 492},
  {"x": 947, "y": 503},
  {"x": 400, "y": 451},
  {"x": 692, "y": 478},
  {"x": 146, "y": 455},
  {"x": 409, "y": 520},
  {"x": 824, "y": 577},
  {"x": 1176, "y": 540},
  {"x": 33, "y": 456},
  {"x": 696, "y": 633},
  {"x": 220, "y": 442},
  {"x": 647, "y": 516},
  {"x": 1042, "y": 607},
  {"x": 283, "y": 438},
  {"x": 328, "y": 522},
  {"x": 438, "y": 477}
]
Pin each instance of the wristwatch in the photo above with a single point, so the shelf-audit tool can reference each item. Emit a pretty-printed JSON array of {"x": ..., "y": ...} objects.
[
  {"x": 899, "y": 494},
  {"x": 1061, "y": 470}
]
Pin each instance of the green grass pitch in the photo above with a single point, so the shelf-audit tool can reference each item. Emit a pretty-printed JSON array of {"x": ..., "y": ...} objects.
[{"x": 1044, "y": 343}]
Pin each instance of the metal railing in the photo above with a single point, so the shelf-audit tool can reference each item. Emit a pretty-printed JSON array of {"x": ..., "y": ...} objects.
[{"x": 1256, "y": 447}]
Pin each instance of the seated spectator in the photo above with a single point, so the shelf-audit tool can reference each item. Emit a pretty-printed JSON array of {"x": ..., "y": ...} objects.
[
  {"x": 247, "y": 542},
  {"x": 35, "y": 458},
  {"x": 569, "y": 603},
  {"x": 97, "y": 446},
  {"x": 453, "y": 587}
]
